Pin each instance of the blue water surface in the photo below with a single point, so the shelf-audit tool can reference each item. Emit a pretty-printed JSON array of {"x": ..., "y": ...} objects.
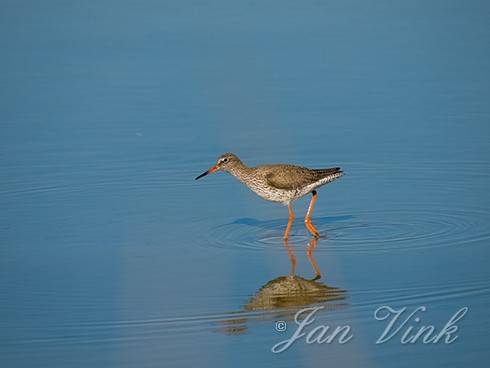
[{"x": 111, "y": 255}]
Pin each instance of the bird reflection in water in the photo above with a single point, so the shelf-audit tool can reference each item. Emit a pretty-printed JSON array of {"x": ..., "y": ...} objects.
[{"x": 283, "y": 296}]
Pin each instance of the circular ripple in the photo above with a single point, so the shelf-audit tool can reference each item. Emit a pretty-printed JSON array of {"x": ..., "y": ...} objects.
[{"x": 368, "y": 231}]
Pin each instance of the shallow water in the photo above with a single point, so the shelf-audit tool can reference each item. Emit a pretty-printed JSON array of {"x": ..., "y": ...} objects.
[{"x": 112, "y": 255}]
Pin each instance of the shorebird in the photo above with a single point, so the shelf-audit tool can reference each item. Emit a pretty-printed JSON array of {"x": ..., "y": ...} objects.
[{"x": 281, "y": 183}]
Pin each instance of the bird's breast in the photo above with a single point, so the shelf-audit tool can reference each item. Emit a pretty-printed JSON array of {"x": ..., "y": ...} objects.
[
  {"x": 258, "y": 184},
  {"x": 262, "y": 189}
]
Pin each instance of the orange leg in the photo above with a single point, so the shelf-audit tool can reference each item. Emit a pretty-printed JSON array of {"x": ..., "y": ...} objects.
[
  {"x": 309, "y": 253},
  {"x": 291, "y": 256},
  {"x": 290, "y": 221},
  {"x": 308, "y": 224}
]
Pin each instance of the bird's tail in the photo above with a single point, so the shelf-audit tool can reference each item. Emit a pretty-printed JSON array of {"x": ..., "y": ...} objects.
[
  {"x": 329, "y": 174},
  {"x": 337, "y": 171}
]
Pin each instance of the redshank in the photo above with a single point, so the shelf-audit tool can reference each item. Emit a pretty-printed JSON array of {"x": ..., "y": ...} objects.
[{"x": 279, "y": 183}]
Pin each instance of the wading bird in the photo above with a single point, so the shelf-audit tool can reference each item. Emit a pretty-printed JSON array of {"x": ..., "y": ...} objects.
[{"x": 278, "y": 183}]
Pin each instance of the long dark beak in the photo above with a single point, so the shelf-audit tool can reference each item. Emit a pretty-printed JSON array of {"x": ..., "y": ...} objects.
[{"x": 210, "y": 171}]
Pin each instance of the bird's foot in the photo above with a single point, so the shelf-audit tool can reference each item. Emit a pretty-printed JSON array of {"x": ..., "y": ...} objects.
[{"x": 312, "y": 229}]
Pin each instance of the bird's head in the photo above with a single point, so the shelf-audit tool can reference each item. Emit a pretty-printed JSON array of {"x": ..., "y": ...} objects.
[{"x": 225, "y": 162}]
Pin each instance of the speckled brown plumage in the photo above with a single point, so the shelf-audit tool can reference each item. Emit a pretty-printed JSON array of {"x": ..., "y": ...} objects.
[{"x": 281, "y": 183}]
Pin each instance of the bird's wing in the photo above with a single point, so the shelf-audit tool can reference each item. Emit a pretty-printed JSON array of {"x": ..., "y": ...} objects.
[{"x": 291, "y": 177}]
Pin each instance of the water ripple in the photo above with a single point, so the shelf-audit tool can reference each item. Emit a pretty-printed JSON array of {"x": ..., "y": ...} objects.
[
  {"x": 359, "y": 306},
  {"x": 363, "y": 231}
]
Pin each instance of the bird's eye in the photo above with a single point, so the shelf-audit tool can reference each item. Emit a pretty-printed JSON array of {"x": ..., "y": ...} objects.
[{"x": 225, "y": 160}]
